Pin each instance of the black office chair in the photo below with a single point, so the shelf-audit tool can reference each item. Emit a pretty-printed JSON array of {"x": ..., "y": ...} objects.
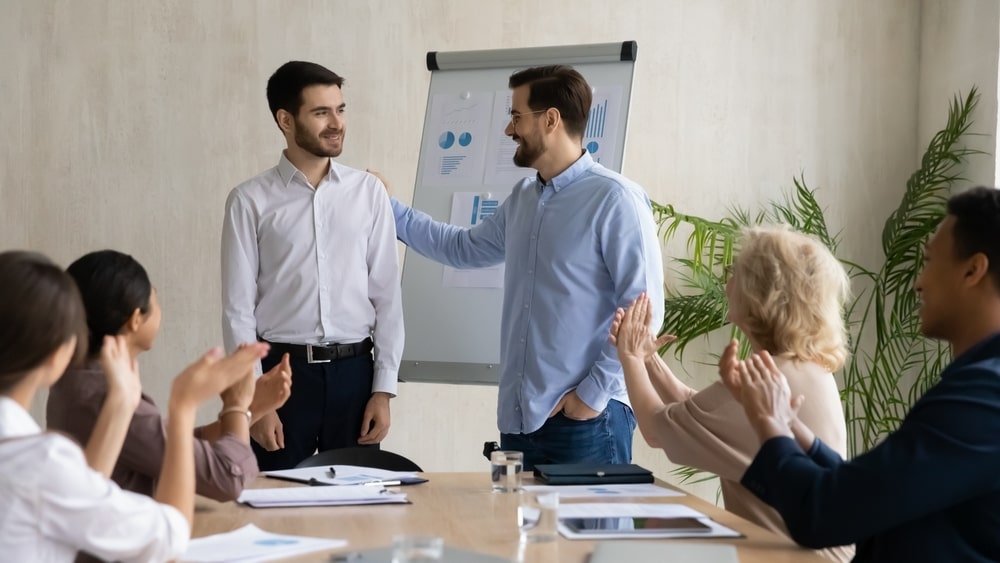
[{"x": 365, "y": 457}]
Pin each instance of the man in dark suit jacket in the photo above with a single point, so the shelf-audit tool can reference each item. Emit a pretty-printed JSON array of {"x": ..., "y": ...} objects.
[{"x": 931, "y": 490}]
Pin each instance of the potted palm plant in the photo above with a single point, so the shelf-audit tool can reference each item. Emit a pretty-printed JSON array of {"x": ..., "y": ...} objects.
[{"x": 891, "y": 363}]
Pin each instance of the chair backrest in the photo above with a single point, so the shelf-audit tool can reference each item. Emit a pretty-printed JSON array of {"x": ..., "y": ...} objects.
[{"x": 365, "y": 457}]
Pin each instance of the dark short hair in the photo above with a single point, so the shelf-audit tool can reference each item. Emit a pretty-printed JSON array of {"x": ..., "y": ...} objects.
[
  {"x": 40, "y": 310},
  {"x": 284, "y": 88},
  {"x": 112, "y": 285},
  {"x": 977, "y": 226},
  {"x": 560, "y": 87}
]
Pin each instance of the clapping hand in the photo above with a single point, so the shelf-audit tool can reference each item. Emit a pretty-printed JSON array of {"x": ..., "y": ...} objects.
[
  {"x": 763, "y": 391},
  {"x": 273, "y": 388},
  {"x": 212, "y": 373},
  {"x": 630, "y": 330},
  {"x": 121, "y": 372}
]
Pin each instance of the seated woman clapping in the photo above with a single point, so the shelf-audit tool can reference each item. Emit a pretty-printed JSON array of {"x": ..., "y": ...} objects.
[
  {"x": 51, "y": 503},
  {"x": 120, "y": 300},
  {"x": 786, "y": 293}
]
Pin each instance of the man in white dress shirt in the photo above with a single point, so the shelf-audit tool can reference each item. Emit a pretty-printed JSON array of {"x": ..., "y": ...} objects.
[{"x": 309, "y": 264}]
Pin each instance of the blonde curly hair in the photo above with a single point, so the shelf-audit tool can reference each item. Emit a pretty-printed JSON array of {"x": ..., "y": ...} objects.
[{"x": 793, "y": 291}]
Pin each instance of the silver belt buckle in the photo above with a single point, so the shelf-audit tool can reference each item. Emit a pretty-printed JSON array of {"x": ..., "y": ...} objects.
[{"x": 309, "y": 356}]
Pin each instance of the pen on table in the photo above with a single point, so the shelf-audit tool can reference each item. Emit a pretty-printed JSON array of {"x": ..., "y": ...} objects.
[
  {"x": 332, "y": 472},
  {"x": 381, "y": 483}
]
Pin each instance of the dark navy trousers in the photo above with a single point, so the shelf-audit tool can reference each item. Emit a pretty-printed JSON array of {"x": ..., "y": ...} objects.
[{"x": 324, "y": 410}]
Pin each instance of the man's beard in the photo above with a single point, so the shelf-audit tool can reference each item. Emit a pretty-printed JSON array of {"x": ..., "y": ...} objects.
[
  {"x": 526, "y": 155},
  {"x": 314, "y": 146}
]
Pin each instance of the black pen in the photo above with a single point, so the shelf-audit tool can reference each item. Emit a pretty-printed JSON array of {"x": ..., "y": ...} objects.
[{"x": 333, "y": 472}]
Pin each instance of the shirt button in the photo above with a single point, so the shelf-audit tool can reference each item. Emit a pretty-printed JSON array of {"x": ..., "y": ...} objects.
[{"x": 522, "y": 340}]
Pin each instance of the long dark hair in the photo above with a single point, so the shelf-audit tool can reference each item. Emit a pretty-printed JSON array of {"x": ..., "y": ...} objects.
[
  {"x": 113, "y": 285},
  {"x": 40, "y": 310}
]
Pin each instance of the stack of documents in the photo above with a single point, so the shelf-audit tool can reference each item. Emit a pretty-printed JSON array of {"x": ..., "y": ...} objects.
[
  {"x": 346, "y": 475},
  {"x": 250, "y": 543},
  {"x": 319, "y": 496},
  {"x": 632, "y": 520}
]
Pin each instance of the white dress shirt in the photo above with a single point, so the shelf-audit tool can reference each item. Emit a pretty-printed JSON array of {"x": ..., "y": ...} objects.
[
  {"x": 308, "y": 266},
  {"x": 52, "y": 504}
]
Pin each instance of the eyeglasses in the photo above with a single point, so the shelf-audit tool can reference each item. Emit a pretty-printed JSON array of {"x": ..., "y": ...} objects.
[{"x": 516, "y": 116}]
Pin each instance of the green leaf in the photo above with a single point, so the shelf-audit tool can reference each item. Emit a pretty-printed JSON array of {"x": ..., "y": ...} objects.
[{"x": 891, "y": 363}]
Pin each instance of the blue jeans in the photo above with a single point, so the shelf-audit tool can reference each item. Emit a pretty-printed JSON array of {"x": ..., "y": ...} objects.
[{"x": 607, "y": 438}]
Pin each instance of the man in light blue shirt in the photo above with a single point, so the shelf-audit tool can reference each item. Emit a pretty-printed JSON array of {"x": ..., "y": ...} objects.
[{"x": 579, "y": 241}]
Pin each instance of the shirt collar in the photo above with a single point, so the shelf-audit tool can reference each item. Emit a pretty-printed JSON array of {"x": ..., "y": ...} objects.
[
  {"x": 15, "y": 422},
  {"x": 985, "y": 348},
  {"x": 287, "y": 171},
  {"x": 568, "y": 176}
]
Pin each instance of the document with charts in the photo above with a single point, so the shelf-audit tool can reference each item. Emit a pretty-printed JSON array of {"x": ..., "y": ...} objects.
[{"x": 469, "y": 209}]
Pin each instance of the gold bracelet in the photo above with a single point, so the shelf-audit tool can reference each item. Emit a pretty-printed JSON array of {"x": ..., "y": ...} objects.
[{"x": 240, "y": 410}]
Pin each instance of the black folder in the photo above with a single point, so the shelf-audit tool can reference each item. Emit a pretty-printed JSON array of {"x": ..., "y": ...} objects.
[{"x": 592, "y": 474}]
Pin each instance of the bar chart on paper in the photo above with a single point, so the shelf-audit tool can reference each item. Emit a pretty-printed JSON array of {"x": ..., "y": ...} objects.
[
  {"x": 595, "y": 123},
  {"x": 599, "y": 137}
]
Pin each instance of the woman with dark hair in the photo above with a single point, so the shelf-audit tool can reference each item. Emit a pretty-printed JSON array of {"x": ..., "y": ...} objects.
[
  {"x": 51, "y": 503},
  {"x": 120, "y": 301}
]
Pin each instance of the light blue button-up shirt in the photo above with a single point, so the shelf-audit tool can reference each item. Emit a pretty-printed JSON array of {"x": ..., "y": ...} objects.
[{"x": 576, "y": 248}]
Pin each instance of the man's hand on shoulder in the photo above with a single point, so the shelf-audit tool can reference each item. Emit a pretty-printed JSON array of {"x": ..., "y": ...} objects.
[
  {"x": 375, "y": 423},
  {"x": 381, "y": 178}
]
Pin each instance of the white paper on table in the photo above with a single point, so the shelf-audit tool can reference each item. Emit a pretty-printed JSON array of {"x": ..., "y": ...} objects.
[
  {"x": 469, "y": 209},
  {"x": 319, "y": 496},
  {"x": 346, "y": 474},
  {"x": 605, "y": 491},
  {"x": 638, "y": 510},
  {"x": 250, "y": 543}
]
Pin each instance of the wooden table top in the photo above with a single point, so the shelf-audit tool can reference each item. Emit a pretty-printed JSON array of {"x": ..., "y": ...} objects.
[{"x": 461, "y": 508}]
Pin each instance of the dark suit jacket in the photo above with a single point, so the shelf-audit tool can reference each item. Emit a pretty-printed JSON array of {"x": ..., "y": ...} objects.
[{"x": 929, "y": 492}]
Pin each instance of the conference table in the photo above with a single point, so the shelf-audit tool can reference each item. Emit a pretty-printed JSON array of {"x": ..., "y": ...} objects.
[{"x": 462, "y": 509}]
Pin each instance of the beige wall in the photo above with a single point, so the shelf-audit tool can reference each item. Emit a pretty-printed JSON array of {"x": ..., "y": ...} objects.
[
  {"x": 959, "y": 48},
  {"x": 127, "y": 123}
]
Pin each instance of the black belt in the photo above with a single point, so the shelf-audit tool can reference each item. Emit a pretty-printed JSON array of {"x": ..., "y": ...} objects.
[{"x": 322, "y": 353}]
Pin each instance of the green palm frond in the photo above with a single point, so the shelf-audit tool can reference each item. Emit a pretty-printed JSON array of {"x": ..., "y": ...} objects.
[
  {"x": 891, "y": 363},
  {"x": 872, "y": 382}
]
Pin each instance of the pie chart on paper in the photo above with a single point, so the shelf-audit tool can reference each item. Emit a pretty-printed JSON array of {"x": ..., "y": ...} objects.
[{"x": 446, "y": 140}]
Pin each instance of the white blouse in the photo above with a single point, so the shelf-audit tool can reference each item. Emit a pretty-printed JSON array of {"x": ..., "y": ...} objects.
[{"x": 52, "y": 504}]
